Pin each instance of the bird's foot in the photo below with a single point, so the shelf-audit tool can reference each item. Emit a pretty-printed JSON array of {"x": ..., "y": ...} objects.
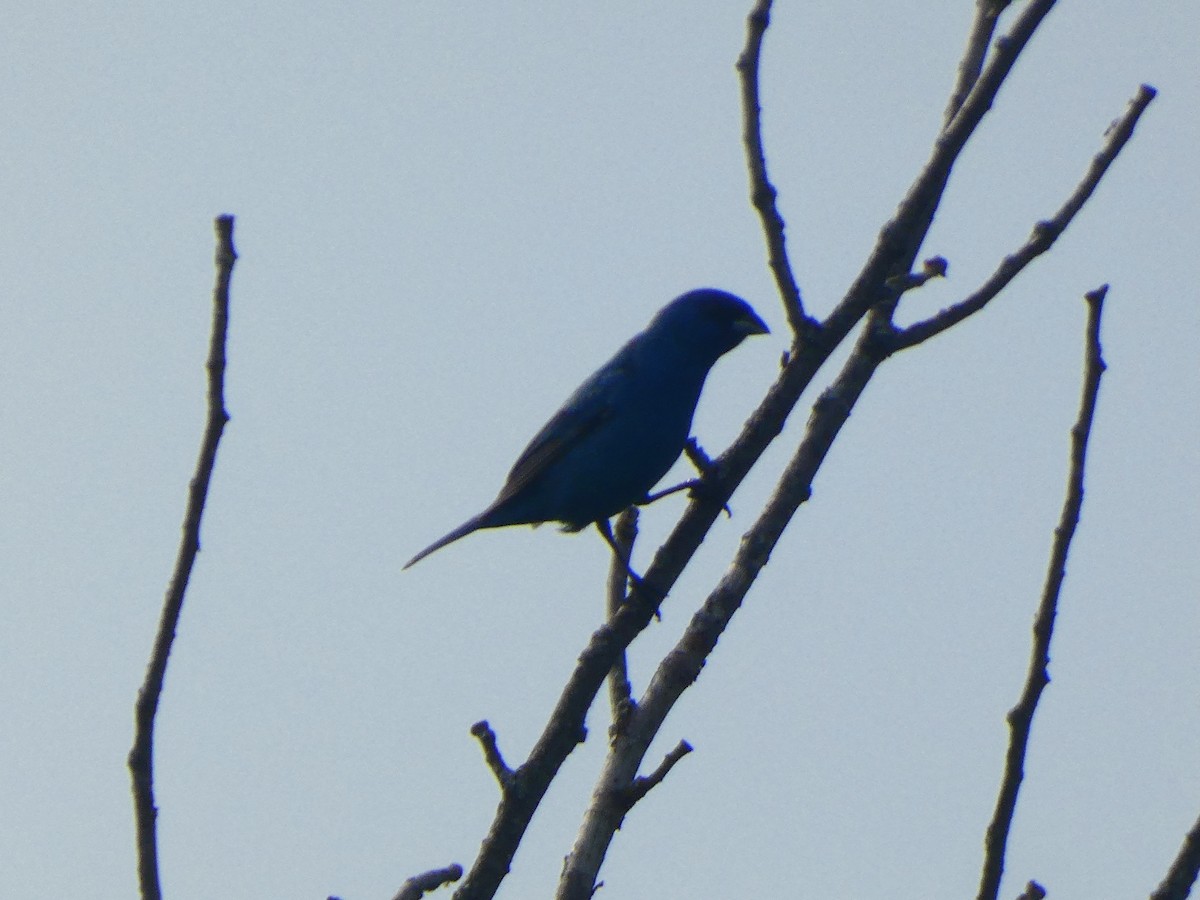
[
  {"x": 639, "y": 584},
  {"x": 709, "y": 470}
]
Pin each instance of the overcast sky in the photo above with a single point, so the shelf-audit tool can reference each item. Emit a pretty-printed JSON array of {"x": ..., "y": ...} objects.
[{"x": 448, "y": 215}]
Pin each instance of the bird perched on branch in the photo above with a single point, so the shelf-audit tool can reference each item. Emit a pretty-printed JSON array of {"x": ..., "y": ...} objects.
[{"x": 624, "y": 427}]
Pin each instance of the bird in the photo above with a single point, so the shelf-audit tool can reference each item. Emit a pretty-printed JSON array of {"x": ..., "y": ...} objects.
[{"x": 621, "y": 430}]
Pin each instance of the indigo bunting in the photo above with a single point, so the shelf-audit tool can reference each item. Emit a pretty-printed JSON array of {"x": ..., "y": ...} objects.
[{"x": 624, "y": 427}]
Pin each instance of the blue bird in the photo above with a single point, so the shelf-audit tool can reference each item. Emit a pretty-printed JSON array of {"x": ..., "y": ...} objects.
[{"x": 624, "y": 427}]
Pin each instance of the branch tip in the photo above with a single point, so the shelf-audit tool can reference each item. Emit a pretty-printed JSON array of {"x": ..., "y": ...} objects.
[
  {"x": 763, "y": 194},
  {"x": 1184, "y": 869},
  {"x": 1042, "y": 236},
  {"x": 419, "y": 885},
  {"x": 643, "y": 785},
  {"x": 141, "y": 755},
  {"x": 1020, "y": 717},
  {"x": 934, "y": 267},
  {"x": 491, "y": 754}
]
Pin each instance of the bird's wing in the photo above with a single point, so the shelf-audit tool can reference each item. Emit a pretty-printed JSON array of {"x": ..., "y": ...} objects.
[{"x": 587, "y": 409}]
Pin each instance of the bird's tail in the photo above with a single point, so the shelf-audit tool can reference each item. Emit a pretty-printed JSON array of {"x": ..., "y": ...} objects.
[{"x": 461, "y": 531}]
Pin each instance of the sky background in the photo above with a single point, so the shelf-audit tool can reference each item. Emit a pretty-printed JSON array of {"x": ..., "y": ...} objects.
[{"x": 447, "y": 217}]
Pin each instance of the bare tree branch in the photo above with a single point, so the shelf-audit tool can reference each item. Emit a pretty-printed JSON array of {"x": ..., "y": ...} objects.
[
  {"x": 141, "y": 756},
  {"x": 893, "y": 254},
  {"x": 1020, "y": 717},
  {"x": 900, "y": 239},
  {"x": 762, "y": 192},
  {"x": 617, "y": 790},
  {"x": 987, "y": 12},
  {"x": 1182, "y": 874},
  {"x": 1044, "y": 234},
  {"x": 565, "y": 728},
  {"x": 644, "y": 785},
  {"x": 620, "y": 691},
  {"x": 491, "y": 754},
  {"x": 682, "y": 665},
  {"x": 419, "y": 885},
  {"x": 1033, "y": 891}
]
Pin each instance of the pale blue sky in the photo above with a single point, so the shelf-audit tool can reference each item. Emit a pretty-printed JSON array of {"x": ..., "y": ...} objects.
[{"x": 447, "y": 217}]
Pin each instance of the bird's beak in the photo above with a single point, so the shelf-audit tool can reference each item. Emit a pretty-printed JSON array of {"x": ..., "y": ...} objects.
[{"x": 751, "y": 324}]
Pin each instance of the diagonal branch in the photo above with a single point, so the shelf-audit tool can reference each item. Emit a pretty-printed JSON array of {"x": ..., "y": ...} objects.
[
  {"x": 987, "y": 12},
  {"x": 1182, "y": 874},
  {"x": 419, "y": 885},
  {"x": 900, "y": 239},
  {"x": 1045, "y": 233},
  {"x": 618, "y": 789},
  {"x": 893, "y": 254},
  {"x": 483, "y": 733},
  {"x": 1020, "y": 717},
  {"x": 141, "y": 756},
  {"x": 526, "y": 785},
  {"x": 895, "y": 249},
  {"x": 620, "y": 691},
  {"x": 679, "y": 669},
  {"x": 645, "y": 784}
]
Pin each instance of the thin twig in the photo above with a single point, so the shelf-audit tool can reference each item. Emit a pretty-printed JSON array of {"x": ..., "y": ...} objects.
[
  {"x": 419, "y": 885},
  {"x": 645, "y": 784},
  {"x": 1044, "y": 233},
  {"x": 141, "y": 756},
  {"x": 901, "y": 237},
  {"x": 934, "y": 267},
  {"x": 620, "y": 692},
  {"x": 762, "y": 192},
  {"x": 1182, "y": 874},
  {"x": 491, "y": 754},
  {"x": 697, "y": 456},
  {"x": 1020, "y": 717},
  {"x": 987, "y": 12}
]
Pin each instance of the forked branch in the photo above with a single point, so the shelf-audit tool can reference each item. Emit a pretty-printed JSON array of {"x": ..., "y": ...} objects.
[
  {"x": 872, "y": 297},
  {"x": 1044, "y": 234}
]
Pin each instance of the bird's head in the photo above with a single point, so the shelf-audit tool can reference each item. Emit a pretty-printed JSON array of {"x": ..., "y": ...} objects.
[{"x": 711, "y": 321}]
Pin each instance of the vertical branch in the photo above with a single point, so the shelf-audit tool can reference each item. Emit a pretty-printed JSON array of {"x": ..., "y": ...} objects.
[
  {"x": 971, "y": 64},
  {"x": 1182, "y": 874},
  {"x": 762, "y": 192},
  {"x": 620, "y": 692},
  {"x": 1020, "y": 717},
  {"x": 141, "y": 756}
]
